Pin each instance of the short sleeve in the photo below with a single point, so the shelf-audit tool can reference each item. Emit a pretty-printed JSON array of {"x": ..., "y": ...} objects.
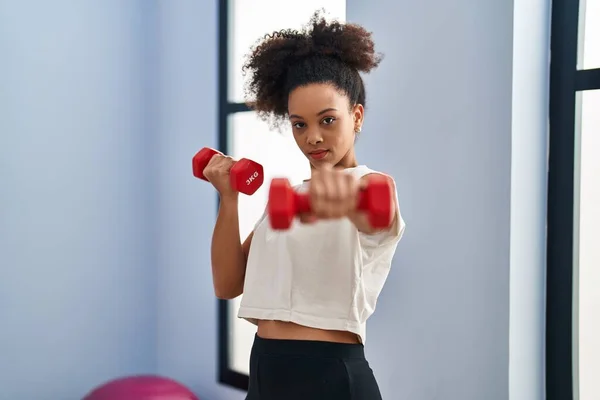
[{"x": 390, "y": 236}]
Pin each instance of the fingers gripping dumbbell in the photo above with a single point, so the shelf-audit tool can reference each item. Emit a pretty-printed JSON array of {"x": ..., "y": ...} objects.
[
  {"x": 246, "y": 175},
  {"x": 375, "y": 199}
]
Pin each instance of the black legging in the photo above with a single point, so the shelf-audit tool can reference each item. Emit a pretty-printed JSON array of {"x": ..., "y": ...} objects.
[{"x": 310, "y": 370}]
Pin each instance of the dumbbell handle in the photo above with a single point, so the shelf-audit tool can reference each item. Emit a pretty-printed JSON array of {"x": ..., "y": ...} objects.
[
  {"x": 200, "y": 172},
  {"x": 245, "y": 175},
  {"x": 302, "y": 202}
]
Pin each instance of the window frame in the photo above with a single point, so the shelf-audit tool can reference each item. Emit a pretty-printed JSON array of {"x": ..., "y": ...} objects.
[
  {"x": 226, "y": 375},
  {"x": 566, "y": 80}
]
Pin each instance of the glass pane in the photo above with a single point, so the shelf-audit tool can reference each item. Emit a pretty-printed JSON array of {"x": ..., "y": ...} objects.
[
  {"x": 589, "y": 34},
  {"x": 280, "y": 157},
  {"x": 587, "y": 248},
  {"x": 249, "y": 20}
]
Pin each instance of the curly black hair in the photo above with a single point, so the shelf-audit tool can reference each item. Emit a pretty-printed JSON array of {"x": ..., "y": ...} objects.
[{"x": 322, "y": 52}]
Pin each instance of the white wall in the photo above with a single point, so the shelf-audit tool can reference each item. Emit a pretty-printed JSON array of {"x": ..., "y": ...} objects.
[
  {"x": 102, "y": 107},
  {"x": 77, "y": 277}
]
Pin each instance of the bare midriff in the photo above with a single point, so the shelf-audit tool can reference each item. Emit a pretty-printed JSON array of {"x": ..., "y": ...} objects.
[{"x": 292, "y": 331}]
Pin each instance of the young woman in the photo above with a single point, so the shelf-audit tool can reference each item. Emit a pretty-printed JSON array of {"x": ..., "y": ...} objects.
[{"x": 309, "y": 289}]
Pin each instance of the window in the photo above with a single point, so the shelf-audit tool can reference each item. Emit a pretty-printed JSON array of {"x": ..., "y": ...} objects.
[
  {"x": 573, "y": 258},
  {"x": 586, "y": 266},
  {"x": 589, "y": 34},
  {"x": 243, "y": 134}
]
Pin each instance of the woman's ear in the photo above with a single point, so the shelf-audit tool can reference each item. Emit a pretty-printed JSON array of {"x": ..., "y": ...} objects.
[{"x": 358, "y": 113}]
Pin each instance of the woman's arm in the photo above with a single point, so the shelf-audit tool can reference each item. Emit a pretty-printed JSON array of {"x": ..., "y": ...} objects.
[
  {"x": 228, "y": 254},
  {"x": 361, "y": 220}
]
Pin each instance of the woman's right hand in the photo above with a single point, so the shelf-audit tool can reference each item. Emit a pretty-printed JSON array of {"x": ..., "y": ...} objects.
[{"x": 217, "y": 173}]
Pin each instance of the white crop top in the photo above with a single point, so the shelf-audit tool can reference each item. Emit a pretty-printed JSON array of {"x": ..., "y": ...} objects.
[{"x": 324, "y": 275}]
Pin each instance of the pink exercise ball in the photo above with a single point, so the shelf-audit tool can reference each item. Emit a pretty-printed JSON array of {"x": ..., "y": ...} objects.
[{"x": 143, "y": 387}]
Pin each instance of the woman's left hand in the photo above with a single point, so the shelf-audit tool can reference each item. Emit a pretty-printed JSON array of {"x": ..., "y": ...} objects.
[{"x": 333, "y": 193}]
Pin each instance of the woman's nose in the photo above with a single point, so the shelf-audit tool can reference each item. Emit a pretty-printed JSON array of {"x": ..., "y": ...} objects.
[{"x": 314, "y": 138}]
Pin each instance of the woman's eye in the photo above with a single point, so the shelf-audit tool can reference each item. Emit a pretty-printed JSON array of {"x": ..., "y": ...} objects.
[
  {"x": 328, "y": 120},
  {"x": 298, "y": 125}
]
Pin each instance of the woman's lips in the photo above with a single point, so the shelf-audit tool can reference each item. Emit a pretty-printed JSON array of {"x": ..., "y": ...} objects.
[{"x": 317, "y": 155}]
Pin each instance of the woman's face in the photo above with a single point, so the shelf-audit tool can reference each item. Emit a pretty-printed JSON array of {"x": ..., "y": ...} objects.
[{"x": 324, "y": 124}]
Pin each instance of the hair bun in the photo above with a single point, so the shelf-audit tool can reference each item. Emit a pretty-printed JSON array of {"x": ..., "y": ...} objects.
[{"x": 350, "y": 43}]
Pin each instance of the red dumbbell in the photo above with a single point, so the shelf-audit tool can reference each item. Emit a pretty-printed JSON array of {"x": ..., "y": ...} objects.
[
  {"x": 284, "y": 203},
  {"x": 246, "y": 175}
]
